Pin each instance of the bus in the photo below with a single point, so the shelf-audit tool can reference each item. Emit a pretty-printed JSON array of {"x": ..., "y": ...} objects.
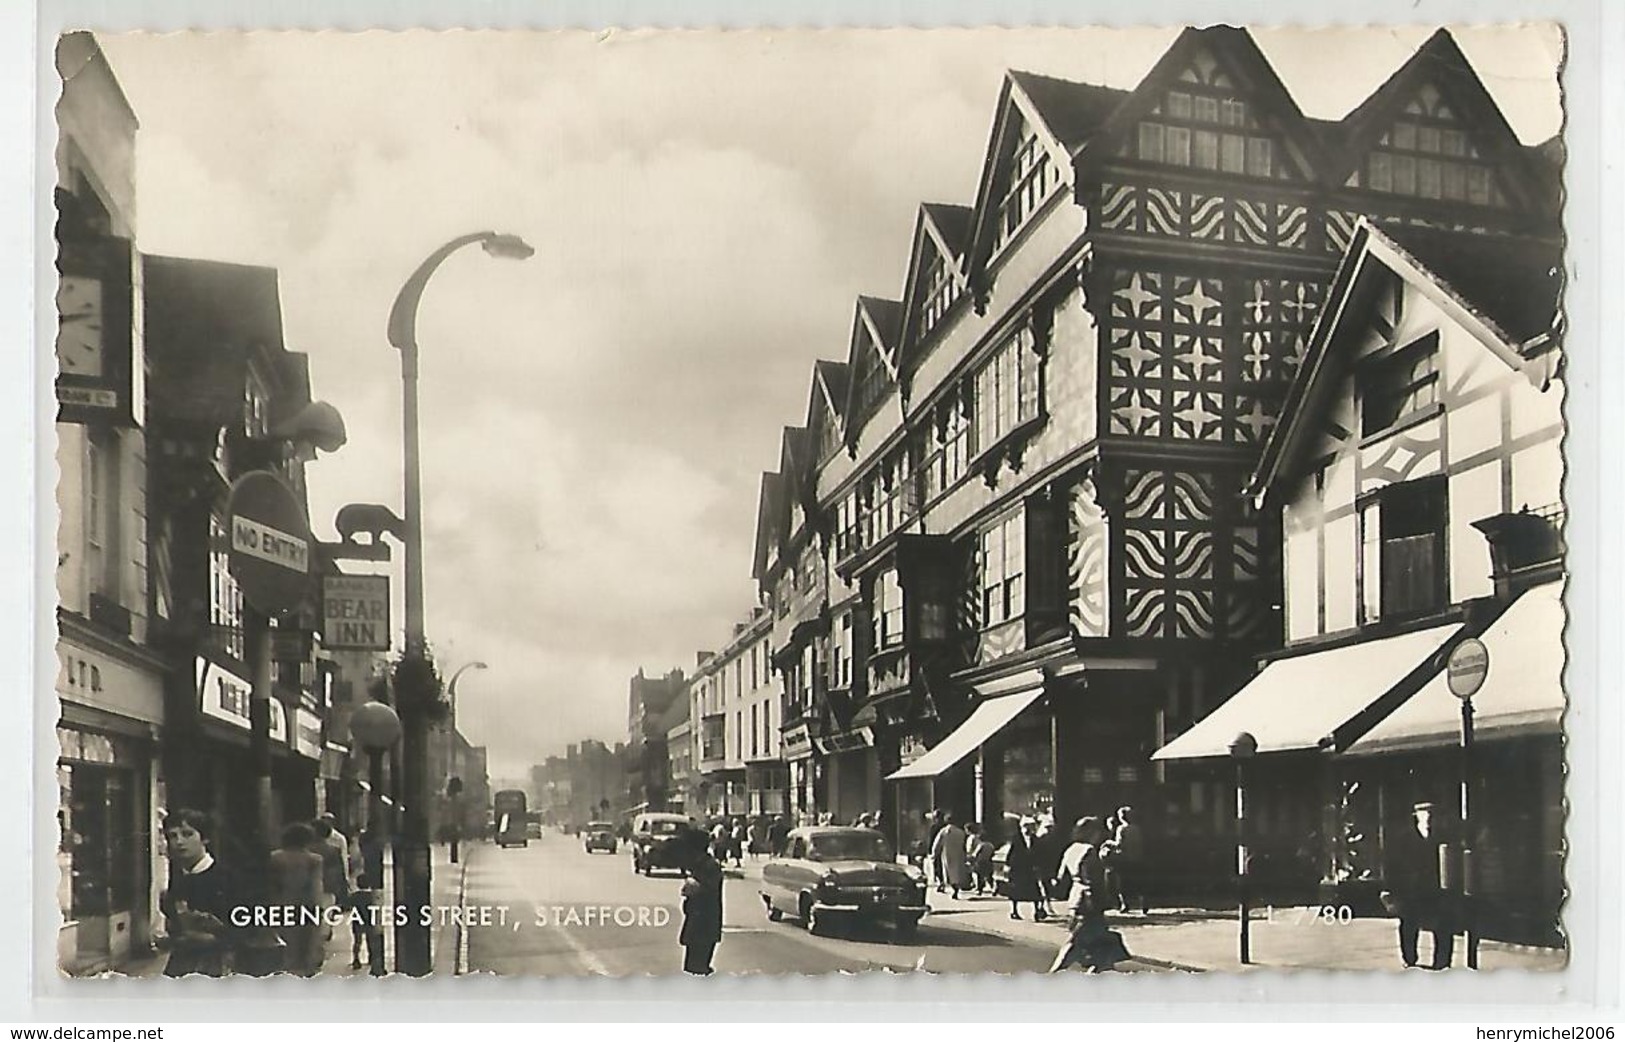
[{"x": 510, "y": 816}]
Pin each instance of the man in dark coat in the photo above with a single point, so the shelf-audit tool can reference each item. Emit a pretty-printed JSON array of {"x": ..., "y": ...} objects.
[
  {"x": 1021, "y": 867},
  {"x": 1415, "y": 893},
  {"x": 702, "y": 905},
  {"x": 777, "y": 833}
]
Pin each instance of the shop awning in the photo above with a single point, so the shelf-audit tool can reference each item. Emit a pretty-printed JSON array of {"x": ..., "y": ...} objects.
[
  {"x": 1300, "y": 702},
  {"x": 984, "y": 722},
  {"x": 1522, "y": 693}
]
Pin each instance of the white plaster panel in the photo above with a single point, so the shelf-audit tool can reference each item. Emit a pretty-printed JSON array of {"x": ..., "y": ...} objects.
[
  {"x": 1474, "y": 495},
  {"x": 1342, "y": 547},
  {"x": 1302, "y": 586},
  {"x": 1475, "y": 427},
  {"x": 1537, "y": 475}
]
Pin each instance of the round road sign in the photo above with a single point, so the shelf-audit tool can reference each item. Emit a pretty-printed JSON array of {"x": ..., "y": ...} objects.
[
  {"x": 375, "y": 725},
  {"x": 1468, "y": 665},
  {"x": 270, "y": 542}
]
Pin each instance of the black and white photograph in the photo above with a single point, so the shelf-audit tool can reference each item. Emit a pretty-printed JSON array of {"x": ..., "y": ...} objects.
[{"x": 958, "y": 501}]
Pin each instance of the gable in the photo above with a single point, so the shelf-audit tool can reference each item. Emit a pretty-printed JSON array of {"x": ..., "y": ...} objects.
[
  {"x": 1213, "y": 103},
  {"x": 1432, "y": 131},
  {"x": 937, "y": 277}
]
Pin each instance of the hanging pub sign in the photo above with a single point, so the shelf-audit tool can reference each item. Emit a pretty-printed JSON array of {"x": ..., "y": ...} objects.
[
  {"x": 98, "y": 352},
  {"x": 270, "y": 542},
  {"x": 355, "y": 612}
]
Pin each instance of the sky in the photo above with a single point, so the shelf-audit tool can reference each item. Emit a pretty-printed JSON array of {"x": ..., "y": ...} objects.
[{"x": 705, "y": 208}]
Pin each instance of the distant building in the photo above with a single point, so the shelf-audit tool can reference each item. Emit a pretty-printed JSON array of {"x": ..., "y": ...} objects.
[{"x": 648, "y": 700}]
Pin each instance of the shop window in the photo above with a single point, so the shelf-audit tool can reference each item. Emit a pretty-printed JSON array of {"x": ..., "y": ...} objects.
[
  {"x": 1003, "y": 552},
  {"x": 1399, "y": 386},
  {"x": 1402, "y": 551}
]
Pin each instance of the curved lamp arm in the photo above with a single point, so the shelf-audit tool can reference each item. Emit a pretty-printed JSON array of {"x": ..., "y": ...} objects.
[{"x": 403, "y": 315}]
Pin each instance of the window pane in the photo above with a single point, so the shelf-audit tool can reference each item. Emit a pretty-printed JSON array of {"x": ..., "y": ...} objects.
[
  {"x": 1404, "y": 135},
  {"x": 1454, "y": 142},
  {"x": 1179, "y": 105},
  {"x": 1427, "y": 140},
  {"x": 1382, "y": 177},
  {"x": 1405, "y": 175},
  {"x": 1259, "y": 158},
  {"x": 1455, "y": 181},
  {"x": 1206, "y": 150},
  {"x": 1428, "y": 179},
  {"x": 1179, "y": 146},
  {"x": 1233, "y": 153},
  {"x": 1207, "y": 110},
  {"x": 1233, "y": 114},
  {"x": 1370, "y": 562},
  {"x": 1151, "y": 149},
  {"x": 1478, "y": 184}
]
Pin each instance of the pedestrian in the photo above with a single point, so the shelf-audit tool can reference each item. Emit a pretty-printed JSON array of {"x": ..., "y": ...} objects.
[
  {"x": 741, "y": 835},
  {"x": 948, "y": 851},
  {"x": 1414, "y": 892},
  {"x": 777, "y": 833},
  {"x": 296, "y": 891},
  {"x": 1021, "y": 865},
  {"x": 702, "y": 905},
  {"x": 198, "y": 900},
  {"x": 937, "y": 821},
  {"x": 981, "y": 858},
  {"x": 335, "y": 855},
  {"x": 1048, "y": 846},
  {"x": 1083, "y": 871},
  {"x": 364, "y": 930},
  {"x": 1126, "y": 862}
]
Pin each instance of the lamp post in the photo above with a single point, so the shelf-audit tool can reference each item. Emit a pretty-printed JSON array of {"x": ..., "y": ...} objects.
[
  {"x": 454, "y": 780},
  {"x": 375, "y": 728},
  {"x": 413, "y": 951},
  {"x": 1465, "y": 672},
  {"x": 1242, "y": 749}
]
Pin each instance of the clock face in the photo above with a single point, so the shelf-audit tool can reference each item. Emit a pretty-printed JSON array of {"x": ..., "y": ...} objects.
[{"x": 79, "y": 337}]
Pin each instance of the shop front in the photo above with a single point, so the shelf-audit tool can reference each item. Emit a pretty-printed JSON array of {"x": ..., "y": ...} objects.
[
  {"x": 207, "y": 765},
  {"x": 802, "y": 770},
  {"x": 108, "y": 789},
  {"x": 853, "y": 773}
]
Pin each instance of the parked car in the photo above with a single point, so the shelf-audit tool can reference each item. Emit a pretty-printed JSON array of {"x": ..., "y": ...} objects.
[
  {"x": 654, "y": 842},
  {"x": 830, "y": 871},
  {"x": 599, "y": 835}
]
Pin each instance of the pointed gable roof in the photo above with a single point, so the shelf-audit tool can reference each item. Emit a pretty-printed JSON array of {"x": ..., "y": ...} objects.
[
  {"x": 1236, "y": 57},
  {"x": 768, "y": 507},
  {"x": 1507, "y": 288},
  {"x": 876, "y": 328},
  {"x": 1071, "y": 112},
  {"x": 1440, "y": 62},
  {"x": 939, "y": 231},
  {"x": 204, "y": 321}
]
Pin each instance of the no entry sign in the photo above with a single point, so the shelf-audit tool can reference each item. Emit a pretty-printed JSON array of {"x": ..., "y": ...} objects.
[
  {"x": 270, "y": 542},
  {"x": 1467, "y": 667}
]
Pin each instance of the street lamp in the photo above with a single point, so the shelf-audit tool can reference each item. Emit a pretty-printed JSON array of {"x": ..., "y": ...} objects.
[
  {"x": 1465, "y": 672},
  {"x": 375, "y": 728},
  {"x": 1242, "y": 749},
  {"x": 413, "y": 952},
  {"x": 454, "y": 780}
]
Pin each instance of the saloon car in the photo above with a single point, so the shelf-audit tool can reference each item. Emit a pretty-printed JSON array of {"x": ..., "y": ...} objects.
[
  {"x": 599, "y": 835},
  {"x": 655, "y": 839},
  {"x": 833, "y": 872}
]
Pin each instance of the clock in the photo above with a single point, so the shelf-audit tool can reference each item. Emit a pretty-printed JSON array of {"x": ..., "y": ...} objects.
[{"x": 79, "y": 341}]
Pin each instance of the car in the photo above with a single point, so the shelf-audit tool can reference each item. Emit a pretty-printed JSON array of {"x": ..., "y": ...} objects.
[
  {"x": 831, "y": 871},
  {"x": 599, "y": 835},
  {"x": 655, "y": 839}
]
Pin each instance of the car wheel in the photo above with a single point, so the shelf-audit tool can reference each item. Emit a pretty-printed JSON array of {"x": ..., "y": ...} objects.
[
  {"x": 773, "y": 914},
  {"x": 612, "y": 848}
]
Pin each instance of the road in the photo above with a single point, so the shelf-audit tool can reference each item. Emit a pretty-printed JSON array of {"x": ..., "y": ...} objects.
[{"x": 570, "y": 913}]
